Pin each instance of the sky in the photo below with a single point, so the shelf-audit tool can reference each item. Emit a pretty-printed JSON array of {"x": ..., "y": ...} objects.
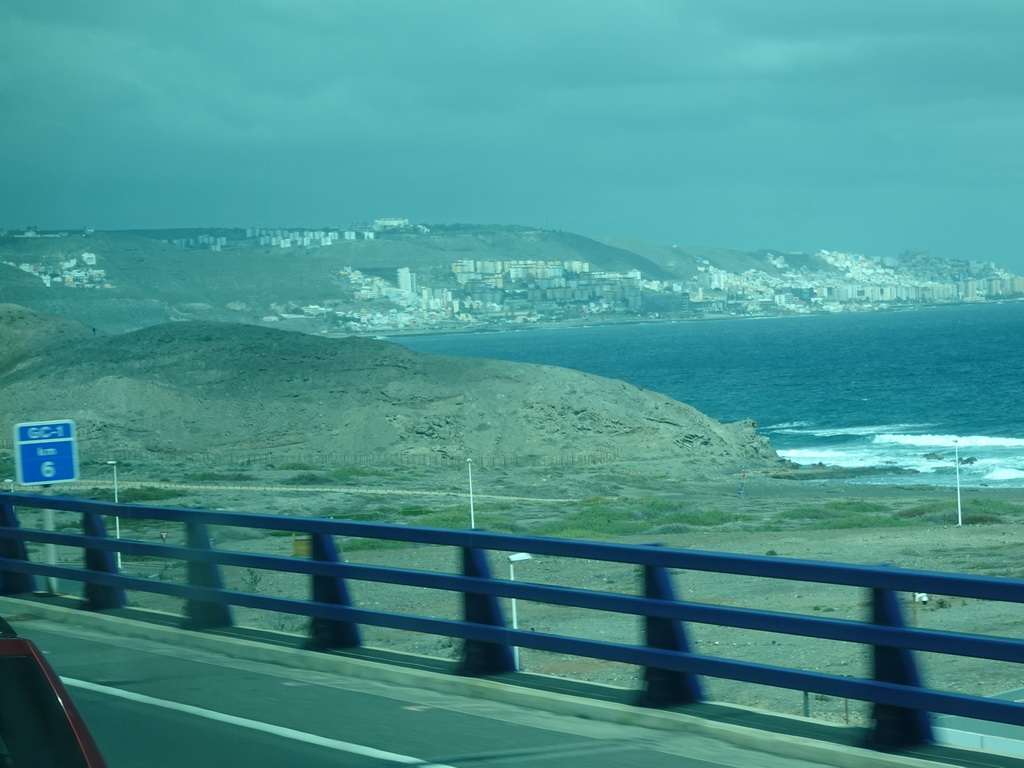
[{"x": 866, "y": 126}]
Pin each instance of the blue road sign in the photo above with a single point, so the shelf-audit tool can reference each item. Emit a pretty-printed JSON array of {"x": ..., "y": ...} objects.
[{"x": 45, "y": 452}]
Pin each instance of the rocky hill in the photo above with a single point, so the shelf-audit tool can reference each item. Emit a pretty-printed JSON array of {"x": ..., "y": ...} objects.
[{"x": 199, "y": 386}]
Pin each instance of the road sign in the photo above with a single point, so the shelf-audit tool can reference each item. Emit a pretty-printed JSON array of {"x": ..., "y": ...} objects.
[{"x": 45, "y": 452}]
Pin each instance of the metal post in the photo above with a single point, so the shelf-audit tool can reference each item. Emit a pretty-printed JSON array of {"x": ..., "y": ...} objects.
[
  {"x": 512, "y": 560},
  {"x": 99, "y": 597},
  {"x": 956, "y": 460},
  {"x": 117, "y": 518},
  {"x": 203, "y": 614},
  {"x": 13, "y": 582},
  {"x": 480, "y": 657},
  {"x": 49, "y": 549},
  {"x": 326, "y": 634},
  {"x": 472, "y": 514},
  {"x": 895, "y": 727},
  {"x": 666, "y": 687}
]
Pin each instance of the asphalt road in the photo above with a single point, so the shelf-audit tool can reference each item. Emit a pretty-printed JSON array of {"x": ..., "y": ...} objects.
[{"x": 158, "y": 706}]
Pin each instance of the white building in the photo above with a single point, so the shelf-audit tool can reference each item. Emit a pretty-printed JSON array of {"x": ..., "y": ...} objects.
[{"x": 381, "y": 225}]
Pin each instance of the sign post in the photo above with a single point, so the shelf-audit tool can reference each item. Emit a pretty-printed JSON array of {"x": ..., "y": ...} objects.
[{"x": 45, "y": 452}]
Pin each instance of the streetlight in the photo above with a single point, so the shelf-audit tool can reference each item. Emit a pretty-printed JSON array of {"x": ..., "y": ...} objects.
[
  {"x": 472, "y": 514},
  {"x": 956, "y": 460},
  {"x": 518, "y": 557},
  {"x": 117, "y": 518}
]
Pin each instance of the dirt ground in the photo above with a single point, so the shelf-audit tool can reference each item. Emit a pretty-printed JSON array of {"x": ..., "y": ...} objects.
[{"x": 972, "y": 549}]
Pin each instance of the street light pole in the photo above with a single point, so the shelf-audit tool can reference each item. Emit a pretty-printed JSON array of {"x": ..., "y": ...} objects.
[
  {"x": 472, "y": 513},
  {"x": 956, "y": 460},
  {"x": 518, "y": 557},
  {"x": 117, "y": 518}
]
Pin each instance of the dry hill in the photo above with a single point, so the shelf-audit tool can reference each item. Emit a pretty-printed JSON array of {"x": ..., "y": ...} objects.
[{"x": 197, "y": 386}]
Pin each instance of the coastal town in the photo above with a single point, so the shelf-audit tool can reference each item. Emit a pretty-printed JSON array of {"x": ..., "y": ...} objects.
[{"x": 466, "y": 293}]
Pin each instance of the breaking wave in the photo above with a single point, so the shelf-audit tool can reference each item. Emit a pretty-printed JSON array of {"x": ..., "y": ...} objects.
[
  {"x": 1005, "y": 474},
  {"x": 947, "y": 441}
]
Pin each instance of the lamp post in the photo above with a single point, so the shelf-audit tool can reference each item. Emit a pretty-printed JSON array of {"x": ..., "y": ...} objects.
[
  {"x": 518, "y": 557},
  {"x": 956, "y": 460},
  {"x": 117, "y": 518},
  {"x": 472, "y": 513}
]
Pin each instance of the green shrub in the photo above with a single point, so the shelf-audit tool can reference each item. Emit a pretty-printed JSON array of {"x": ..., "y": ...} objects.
[
  {"x": 913, "y": 512},
  {"x": 498, "y": 524},
  {"x": 594, "y": 521},
  {"x": 805, "y": 513},
  {"x": 861, "y": 521},
  {"x": 136, "y": 495},
  {"x": 993, "y": 507},
  {"x": 346, "y": 473},
  {"x": 831, "y": 510},
  {"x": 984, "y": 510},
  {"x": 200, "y": 477},
  {"x": 655, "y": 507},
  {"x": 589, "y": 501},
  {"x": 131, "y": 495},
  {"x": 309, "y": 478},
  {"x": 296, "y": 465},
  {"x": 977, "y": 518},
  {"x": 702, "y": 518},
  {"x": 359, "y": 515},
  {"x": 496, "y": 506},
  {"x": 415, "y": 511},
  {"x": 452, "y": 518},
  {"x": 855, "y": 507},
  {"x": 353, "y": 545}
]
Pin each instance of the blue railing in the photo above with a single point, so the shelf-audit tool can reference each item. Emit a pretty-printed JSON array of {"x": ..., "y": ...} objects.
[{"x": 672, "y": 670}]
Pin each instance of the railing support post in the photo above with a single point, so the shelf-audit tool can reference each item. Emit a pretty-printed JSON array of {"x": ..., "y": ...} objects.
[
  {"x": 665, "y": 687},
  {"x": 895, "y": 727},
  {"x": 97, "y": 596},
  {"x": 481, "y": 658},
  {"x": 325, "y": 634},
  {"x": 204, "y": 614},
  {"x": 12, "y": 582}
]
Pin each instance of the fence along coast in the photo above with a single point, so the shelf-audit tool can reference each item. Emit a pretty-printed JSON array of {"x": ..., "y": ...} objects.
[{"x": 673, "y": 671}]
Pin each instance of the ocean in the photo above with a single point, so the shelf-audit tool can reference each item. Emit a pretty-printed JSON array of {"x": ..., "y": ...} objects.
[{"x": 900, "y": 389}]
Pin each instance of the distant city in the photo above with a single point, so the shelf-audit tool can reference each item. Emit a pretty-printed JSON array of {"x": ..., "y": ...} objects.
[{"x": 469, "y": 292}]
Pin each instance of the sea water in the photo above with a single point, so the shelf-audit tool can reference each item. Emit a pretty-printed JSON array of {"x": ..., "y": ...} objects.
[{"x": 897, "y": 389}]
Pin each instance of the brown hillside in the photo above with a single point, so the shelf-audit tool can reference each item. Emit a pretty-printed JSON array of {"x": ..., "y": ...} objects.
[
  {"x": 26, "y": 335},
  {"x": 185, "y": 387}
]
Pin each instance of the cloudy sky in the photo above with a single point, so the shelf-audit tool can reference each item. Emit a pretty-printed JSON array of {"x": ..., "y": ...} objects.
[{"x": 869, "y": 126}]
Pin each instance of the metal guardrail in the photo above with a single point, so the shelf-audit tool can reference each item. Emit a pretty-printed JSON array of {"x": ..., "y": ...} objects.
[{"x": 672, "y": 670}]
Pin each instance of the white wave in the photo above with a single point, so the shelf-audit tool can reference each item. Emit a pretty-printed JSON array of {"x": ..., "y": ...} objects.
[
  {"x": 788, "y": 425},
  {"x": 866, "y": 457},
  {"x": 840, "y": 431},
  {"x": 805, "y": 453},
  {"x": 1005, "y": 474},
  {"x": 830, "y": 458},
  {"x": 947, "y": 441}
]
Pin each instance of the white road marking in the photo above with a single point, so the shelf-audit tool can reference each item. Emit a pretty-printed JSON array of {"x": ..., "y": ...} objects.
[{"x": 287, "y": 733}]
